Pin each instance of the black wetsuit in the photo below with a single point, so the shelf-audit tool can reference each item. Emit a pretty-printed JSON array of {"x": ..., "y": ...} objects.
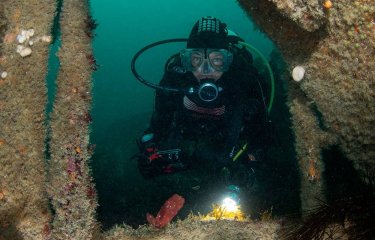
[
  {"x": 209, "y": 131},
  {"x": 239, "y": 103}
]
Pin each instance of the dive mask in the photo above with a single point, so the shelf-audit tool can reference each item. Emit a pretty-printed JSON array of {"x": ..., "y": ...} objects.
[{"x": 206, "y": 60}]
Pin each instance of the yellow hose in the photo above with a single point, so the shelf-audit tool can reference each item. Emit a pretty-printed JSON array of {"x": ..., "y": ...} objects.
[{"x": 240, "y": 152}]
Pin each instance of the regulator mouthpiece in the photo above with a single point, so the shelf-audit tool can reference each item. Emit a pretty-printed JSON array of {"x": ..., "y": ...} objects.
[{"x": 208, "y": 91}]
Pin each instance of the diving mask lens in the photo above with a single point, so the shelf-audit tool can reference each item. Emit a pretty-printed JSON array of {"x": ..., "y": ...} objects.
[
  {"x": 196, "y": 59},
  {"x": 207, "y": 59},
  {"x": 216, "y": 59}
]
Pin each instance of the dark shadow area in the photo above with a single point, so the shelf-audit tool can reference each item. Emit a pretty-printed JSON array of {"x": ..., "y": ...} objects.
[
  {"x": 341, "y": 179},
  {"x": 3, "y": 27},
  {"x": 350, "y": 200},
  {"x": 8, "y": 229},
  {"x": 348, "y": 211},
  {"x": 280, "y": 178},
  {"x": 56, "y": 31}
]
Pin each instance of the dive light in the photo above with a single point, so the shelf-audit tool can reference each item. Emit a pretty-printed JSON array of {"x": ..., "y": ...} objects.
[{"x": 231, "y": 199}]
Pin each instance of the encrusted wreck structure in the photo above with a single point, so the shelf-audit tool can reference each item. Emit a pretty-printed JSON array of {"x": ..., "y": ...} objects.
[{"x": 334, "y": 104}]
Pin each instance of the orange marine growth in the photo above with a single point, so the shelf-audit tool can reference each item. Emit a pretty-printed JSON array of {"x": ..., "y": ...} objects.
[
  {"x": 312, "y": 171},
  {"x": 167, "y": 212},
  {"x": 327, "y": 4},
  {"x": 78, "y": 150}
]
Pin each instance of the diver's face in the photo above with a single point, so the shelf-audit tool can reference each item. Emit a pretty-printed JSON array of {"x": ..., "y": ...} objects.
[
  {"x": 215, "y": 75},
  {"x": 207, "y": 66}
]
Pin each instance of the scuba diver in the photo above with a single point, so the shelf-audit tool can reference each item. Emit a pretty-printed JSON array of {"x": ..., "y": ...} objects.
[{"x": 210, "y": 110}]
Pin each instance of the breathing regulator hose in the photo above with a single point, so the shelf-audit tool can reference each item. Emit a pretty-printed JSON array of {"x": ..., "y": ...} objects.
[
  {"x": 144, "y": 81},
  {"x": 272, "y": 93},
  {"x": 164, "y": 88}
]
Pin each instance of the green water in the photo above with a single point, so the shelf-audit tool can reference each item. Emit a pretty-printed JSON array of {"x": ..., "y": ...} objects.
[
  {"x": 122, "y": 106},
  {"x": 125, "y": 27}
]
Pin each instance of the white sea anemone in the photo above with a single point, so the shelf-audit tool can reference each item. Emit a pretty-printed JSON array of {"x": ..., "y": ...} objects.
[
  {"x": 25, "y": 35},
  {"x": 4, "y": 74},
  {"x": 19, "y": 48},
  {"x": 46, "y": 38},
  {"x": 21, "y": 38},
  {"x": 25, "y": 52},
  {"x": 298, "y": 73},
  {"x": 30, "y": 33}
]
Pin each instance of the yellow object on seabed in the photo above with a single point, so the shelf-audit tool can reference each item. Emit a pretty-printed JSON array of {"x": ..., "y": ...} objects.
[
  {"x": 220, "y": 213},
  {"x": 239, "y": 153}
]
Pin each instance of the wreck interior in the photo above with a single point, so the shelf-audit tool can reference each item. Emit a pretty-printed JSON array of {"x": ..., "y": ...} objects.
[{"x": 70, "y": 111}]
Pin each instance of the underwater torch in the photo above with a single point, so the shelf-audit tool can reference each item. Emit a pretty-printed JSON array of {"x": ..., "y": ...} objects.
[
  {"x": 229, "y": 208},
  {"x": 231, "y": 201}
]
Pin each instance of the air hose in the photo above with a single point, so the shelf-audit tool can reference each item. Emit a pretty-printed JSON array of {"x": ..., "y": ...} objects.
[
  {"x": 272, "y": 95},
  {"x": 156, "y": 86}
]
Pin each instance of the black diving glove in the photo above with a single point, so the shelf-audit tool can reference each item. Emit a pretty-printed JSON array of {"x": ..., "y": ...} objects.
[{"x": 147, "y": 154}]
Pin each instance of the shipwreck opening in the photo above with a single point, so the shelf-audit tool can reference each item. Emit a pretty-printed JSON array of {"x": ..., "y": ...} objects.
[{"x": 122, "y": 108}]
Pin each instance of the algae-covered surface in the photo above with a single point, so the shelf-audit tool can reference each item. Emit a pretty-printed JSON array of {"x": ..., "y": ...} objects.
[{"x": 192, "y": 228}]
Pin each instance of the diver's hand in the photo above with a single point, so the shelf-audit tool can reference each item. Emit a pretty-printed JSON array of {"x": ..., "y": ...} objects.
[
  {"x": 150, "y": 161},
  {"x": 155, "y": 162},
  {"x": 148, "y": 152},
  {"x": 147, "y": 147},
  {"x": 145, "y": 141}
]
